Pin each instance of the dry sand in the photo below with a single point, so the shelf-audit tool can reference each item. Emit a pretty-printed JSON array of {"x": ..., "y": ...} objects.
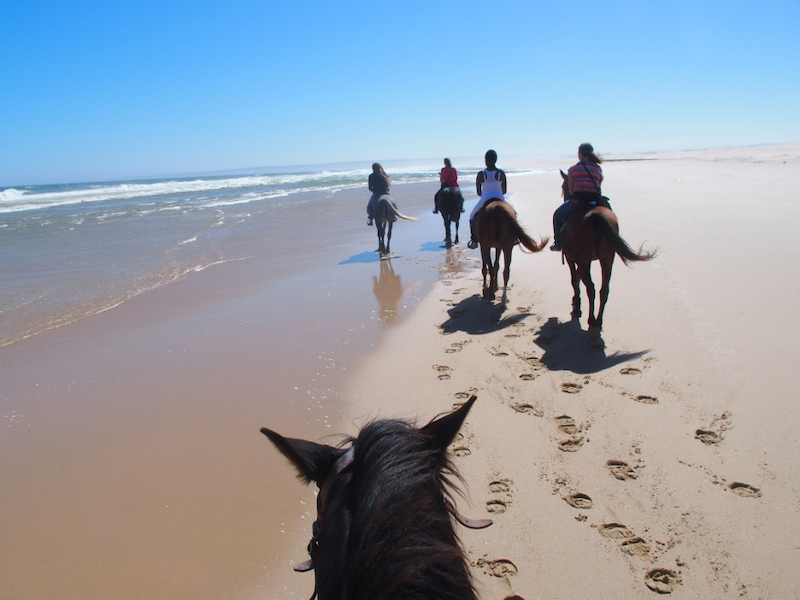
[{"x": 671, "y": 454}]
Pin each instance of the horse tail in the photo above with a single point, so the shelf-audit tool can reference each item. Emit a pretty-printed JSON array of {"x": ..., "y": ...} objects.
[
  {"x": 524, "y": 239},
  {"x": 621, "y": 247},
  {"x": 396, "y": 213}
]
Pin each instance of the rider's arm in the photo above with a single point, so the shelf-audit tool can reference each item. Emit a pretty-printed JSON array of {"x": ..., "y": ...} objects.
[
  {"x": 479, "y": 183},
  {"x": 503, "y": 180}
]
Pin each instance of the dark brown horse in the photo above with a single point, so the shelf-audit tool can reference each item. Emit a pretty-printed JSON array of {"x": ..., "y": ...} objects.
[
  {"x": 385, "y": 512},
  {"x": 385, "y": 214},
  {"x": 497, "y": 227},
  {"x": 592, "y": 233},
  {"x": 450, "y": 202}
]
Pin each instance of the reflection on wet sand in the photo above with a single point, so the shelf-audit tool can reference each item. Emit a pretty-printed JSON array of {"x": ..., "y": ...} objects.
[{"x": 388, "y": 291}]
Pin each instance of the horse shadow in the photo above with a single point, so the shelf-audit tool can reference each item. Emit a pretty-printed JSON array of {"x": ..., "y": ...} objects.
[
  {"x": 476, "y": 316},
  {"x": 361, "y": 258},
  {"x": 565, "y": 349}
]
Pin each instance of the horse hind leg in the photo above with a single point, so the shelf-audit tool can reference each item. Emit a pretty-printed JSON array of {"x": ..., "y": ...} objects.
[
  {"x": 606, "y": 266},
  {"x": 506, "y": 272},
  {"x": 576, "y": 290}
]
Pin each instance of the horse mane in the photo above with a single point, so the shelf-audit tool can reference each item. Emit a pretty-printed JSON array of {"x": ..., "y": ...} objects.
[{"x": 403, "y": 543}]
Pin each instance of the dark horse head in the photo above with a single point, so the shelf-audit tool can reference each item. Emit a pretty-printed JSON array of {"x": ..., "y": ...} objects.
[{"x": 385, "y": 512}]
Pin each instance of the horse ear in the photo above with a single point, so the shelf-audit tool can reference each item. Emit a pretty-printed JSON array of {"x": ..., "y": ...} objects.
[
  {"x": 444, "y": 429},
  {"x": 312, "y": 461},
  {"x": 564, "y": 175}
]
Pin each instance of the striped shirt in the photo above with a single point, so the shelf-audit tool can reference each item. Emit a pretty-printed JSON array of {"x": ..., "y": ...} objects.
[{"x": 580, "y": 178}]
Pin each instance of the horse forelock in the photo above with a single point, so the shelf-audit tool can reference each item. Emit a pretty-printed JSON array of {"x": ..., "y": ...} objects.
[{"x": 400, "y": 534}]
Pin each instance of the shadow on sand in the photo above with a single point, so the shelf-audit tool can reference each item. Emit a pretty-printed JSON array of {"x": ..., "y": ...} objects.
[
  {"x": 566, "y": 348},
  {"x": 476, "y": 316},
  {"x": 363, "y": 257}
]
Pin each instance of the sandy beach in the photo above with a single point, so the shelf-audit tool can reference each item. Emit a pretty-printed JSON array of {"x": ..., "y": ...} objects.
[{"x": 133, "y": 466}]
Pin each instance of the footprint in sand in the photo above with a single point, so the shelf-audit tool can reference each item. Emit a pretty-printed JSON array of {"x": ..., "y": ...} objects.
[
  {"x": 630, "y": 371},
  {"x": 496, "y": 507},
  {"x": 621, "y": 470},
  {"x": 528, "y": 409},
  {"x": 570, "y": 445},
  {"x": 499, "y": 353},
  {"x": 571, "y": 388},
  {"x": 567, "y": 424},
  {"x": 662, "y": 581},
  {"x": 709, "y": 438},
  {"x": 647, "y": 399},
  {"x": 578, "y": 500},
  {"x": 615, "y": 531},
  {"x": 635, "y": 547},
  {"x": 444, "y": 372},
  {"x": 462, "y": 451},
  {"x": 744, "y": 490},
  {"x": 500, "y": 568}
]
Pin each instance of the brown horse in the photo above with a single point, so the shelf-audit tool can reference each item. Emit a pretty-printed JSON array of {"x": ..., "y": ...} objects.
[
  {"x": 497, "y": 227},
  {"x": 592, "y": 233},
  {"x": 385, "y": 214}
]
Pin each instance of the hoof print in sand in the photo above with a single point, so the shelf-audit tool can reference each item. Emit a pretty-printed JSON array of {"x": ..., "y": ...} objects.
[
  {"x": 635, "y": 547},
  {"x": 501, "y": 567},
  {"x": 444, "y": 372},
  {"x": 567, "y": 424},
  {"x": 528, "y": 376},
  {"x": 500, "y": 486},
  {"x": 744, "y": 490},
  {"x": 630, "y": 371},
  {"x": 709, "y": 438},
  {"x": 615, "y": 531},
  {"x": 528, "y": 409},
  {"x": 662, "y": 581},
  {"x": 571, "y": 388},
  {"x": 621, "y": 470},
  {"x": 581, "y": 501},
  {"x": 643, "y": 399},
  {"x": 462, "y": 451},
  {"x": 496, "y": 507},
  {"x": 570, "y": 445}
]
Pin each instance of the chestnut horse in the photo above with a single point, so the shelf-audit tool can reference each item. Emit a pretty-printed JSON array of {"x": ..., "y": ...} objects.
[
  {"x": 450, "y": 202},
  {"x": 385, "y": 214},
  {"x": 497, "y": 227},
  {"x": 592, "y": 233},
  {"x": 385, "y": 512}
]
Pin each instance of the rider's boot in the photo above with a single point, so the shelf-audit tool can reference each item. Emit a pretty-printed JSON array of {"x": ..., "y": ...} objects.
[{"x": 473, "y": 243}]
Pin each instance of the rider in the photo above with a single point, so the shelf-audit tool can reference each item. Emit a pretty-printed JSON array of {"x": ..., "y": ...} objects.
[
  {"x": 583, "y": 183},
  {"x": 448, "y": 177},
  {"x": 378, "y": 184},
  {"x": 491, "y": 185}
]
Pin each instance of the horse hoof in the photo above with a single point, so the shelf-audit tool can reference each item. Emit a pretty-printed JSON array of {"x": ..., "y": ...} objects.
[{"x": 594, "y": 336}]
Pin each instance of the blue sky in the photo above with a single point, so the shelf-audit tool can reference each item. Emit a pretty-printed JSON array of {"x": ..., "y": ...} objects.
[{"x": 100, "y": 90}]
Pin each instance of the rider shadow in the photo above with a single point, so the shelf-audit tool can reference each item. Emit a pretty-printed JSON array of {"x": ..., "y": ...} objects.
[
  {"x": 476, "y": 316},
  {"x": 566, "y": 349}
]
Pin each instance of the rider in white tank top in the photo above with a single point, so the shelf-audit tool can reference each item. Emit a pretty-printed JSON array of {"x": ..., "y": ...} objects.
[{"x": 490, "y": 184}]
